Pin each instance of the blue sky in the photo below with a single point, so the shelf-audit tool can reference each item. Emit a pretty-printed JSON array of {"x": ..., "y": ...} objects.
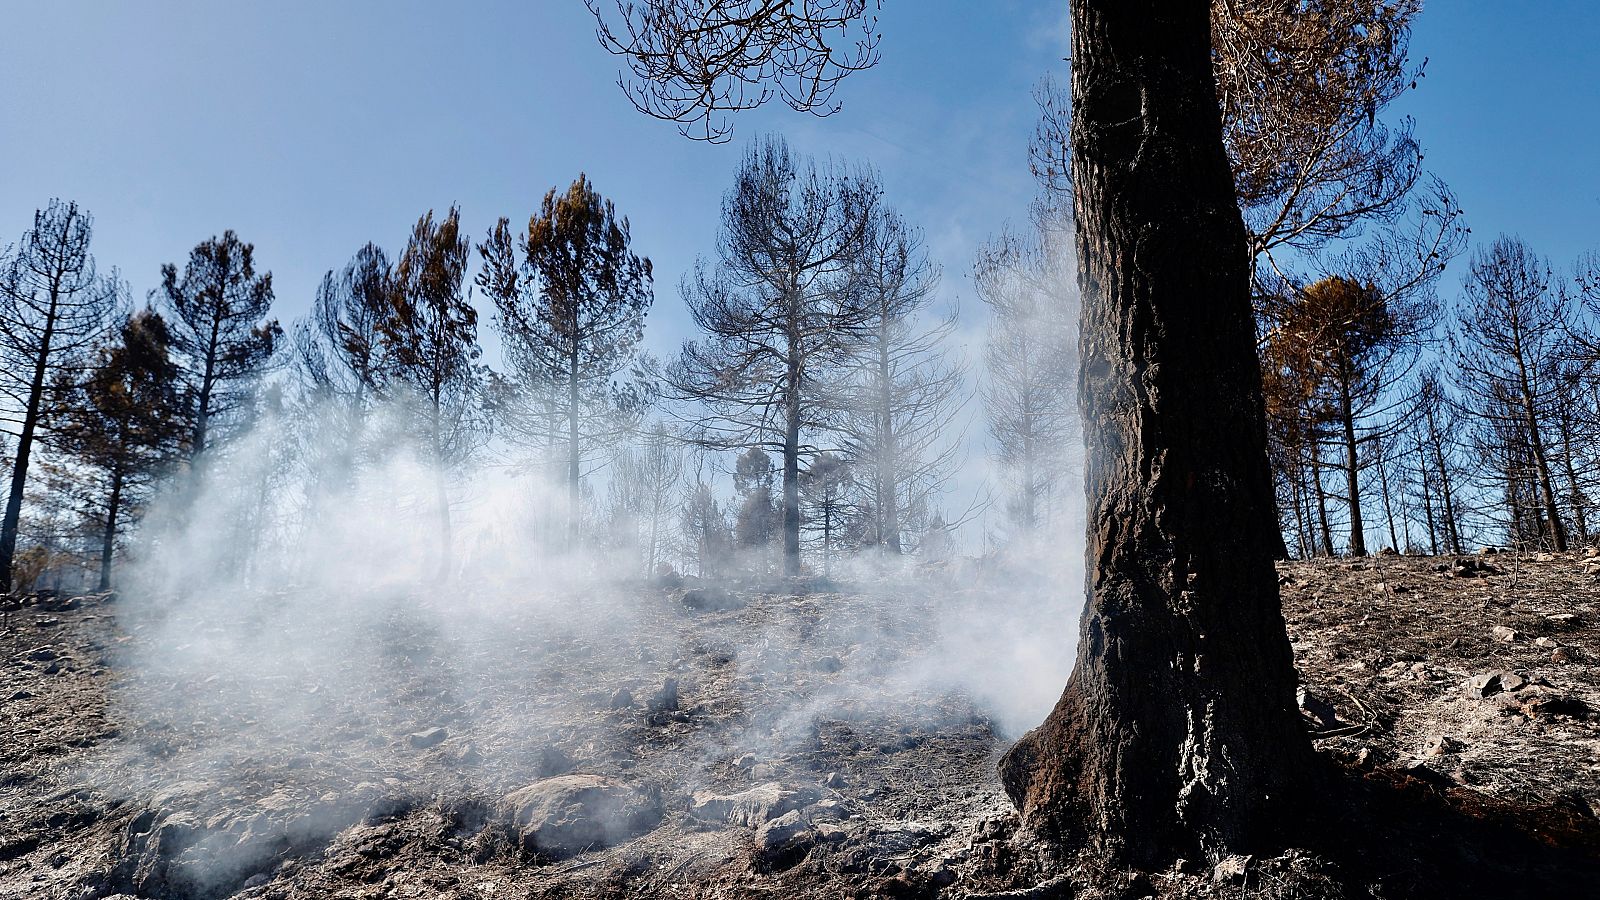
[{"x": 313, "y": 127}]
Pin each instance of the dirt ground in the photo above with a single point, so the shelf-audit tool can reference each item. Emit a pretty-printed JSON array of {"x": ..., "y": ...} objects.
[{"x": 753, "y": 744}]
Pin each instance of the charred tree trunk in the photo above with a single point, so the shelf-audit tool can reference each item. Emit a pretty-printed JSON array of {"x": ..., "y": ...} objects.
[
  {"x": 1388, "y": 504},
  {"x": 19, "y": 469},
  {"x": 108, "y": 540},
  {"x": 1352, "y": 464},
  {"x": 1178, "y": 730},
  {"x": 1427, "y": 502},
  {"x": 1541, "y": 461},
  {"x": 1322, "y": 499},
  {"x": 791, "y": 467},
  {"x": 1576, "y": 498}
]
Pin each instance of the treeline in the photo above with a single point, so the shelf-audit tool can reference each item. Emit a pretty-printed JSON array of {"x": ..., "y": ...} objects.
[
  {"x": 1437, "y": 427},
  {"x": 818, "y": 413}
]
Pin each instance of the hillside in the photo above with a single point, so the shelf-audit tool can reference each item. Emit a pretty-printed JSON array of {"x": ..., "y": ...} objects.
[{"x": 753, "y": 743}]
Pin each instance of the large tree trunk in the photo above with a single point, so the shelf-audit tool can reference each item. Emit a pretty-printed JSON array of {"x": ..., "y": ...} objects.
[{"x": 1178, "y": 731}]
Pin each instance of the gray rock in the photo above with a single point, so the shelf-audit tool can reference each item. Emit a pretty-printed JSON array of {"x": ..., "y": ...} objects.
[
  {"x": 1488, "y": 684},
  {"x": 432, "y": 737},
  {"x": 754, "y": 807},
  {"x": 784, "y": 841},
  {"x": 622, "y": 699},
  {"x": 1484, "y": 685},
  {"x": 1505, "y": 635},
  {"x": 569, "y": 814}
]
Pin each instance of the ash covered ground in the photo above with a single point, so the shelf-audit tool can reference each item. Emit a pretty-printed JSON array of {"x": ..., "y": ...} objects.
[{"x": 788, "y": 740}]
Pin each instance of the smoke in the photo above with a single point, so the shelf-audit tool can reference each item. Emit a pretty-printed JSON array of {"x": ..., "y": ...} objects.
[{"x": 296, "y": 629}]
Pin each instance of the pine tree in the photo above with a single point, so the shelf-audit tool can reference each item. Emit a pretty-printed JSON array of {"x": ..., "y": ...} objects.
[
  {"x": 217, "y": 319},
  {"x": 571, "y": 298},
  {"x": 53, "y": 306},
  {"x": 778, "y": 306},
  {"x": 124, "y": 423}
]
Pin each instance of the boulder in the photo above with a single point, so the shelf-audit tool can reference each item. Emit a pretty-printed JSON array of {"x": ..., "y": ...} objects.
[
  {"x": 754, "y": 807},
  {"x": 569, "y": 814},
  {"x": 1504, "y": 634}
]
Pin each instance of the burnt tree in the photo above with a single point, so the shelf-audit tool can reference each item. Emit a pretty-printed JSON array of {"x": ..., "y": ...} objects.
[{"x": 1178, "y": 730}]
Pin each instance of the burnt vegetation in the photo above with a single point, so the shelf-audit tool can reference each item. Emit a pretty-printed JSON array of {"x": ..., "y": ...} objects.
[{"x": 570, "y": 618}]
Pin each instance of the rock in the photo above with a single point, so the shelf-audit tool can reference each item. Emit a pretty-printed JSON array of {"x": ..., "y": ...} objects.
[
  {"x": 1561, "y": 656},
  {"x": 1544, "y": 557},
  {"x": 1544, "y": 643},
  {"x": 754, "y": 807},
  {"x": 666, "y": 699},
  {"x": 1488, "y": 684},
  {"x": 42, "y": 654},
  {"x": 22, "y": 695},
  {"x": 1231, "y": 870},
  {"x": 828, "y": 664},
  {"x": 834, "y": 780},
  {"x": 432, "y": 737},
  {"x": 622, "y": 699},
  {"x": 746, "y": 761},
  {"x": 1548, "y": 706},
  {"x": 569, "y": 814},
  {"x": 783, "y": 841},
  {"x": 1504, "y": 635},
  {"x": 1316, "y": 709},
  {"x": 1466, "y": 567},
  {"x": 710, "y": 598},
  {"x": 1443, "y": 744}
]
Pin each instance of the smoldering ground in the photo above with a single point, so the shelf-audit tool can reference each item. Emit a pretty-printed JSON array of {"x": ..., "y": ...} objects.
[{"x": 328, "y": 674}]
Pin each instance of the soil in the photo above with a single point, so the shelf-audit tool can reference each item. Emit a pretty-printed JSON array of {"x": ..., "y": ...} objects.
[{"x": 763, "y": 745}]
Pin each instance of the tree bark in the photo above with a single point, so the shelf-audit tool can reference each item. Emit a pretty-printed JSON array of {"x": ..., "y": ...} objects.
[
  {"x": 791, "y": 469},
  {"x": 1178, "y": 731},
  {"x": 30, "y": 422},
  {"x": 1452, "y": 530},
  {"x": 1352, "y": 465},
  {"x": 108, "y": 543},
  {"x": 1322, "y": 499},
  {"x": 1541, "y": 462}
]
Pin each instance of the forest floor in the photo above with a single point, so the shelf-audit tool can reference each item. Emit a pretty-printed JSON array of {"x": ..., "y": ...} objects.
[{"x": 752, "y": 744}]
